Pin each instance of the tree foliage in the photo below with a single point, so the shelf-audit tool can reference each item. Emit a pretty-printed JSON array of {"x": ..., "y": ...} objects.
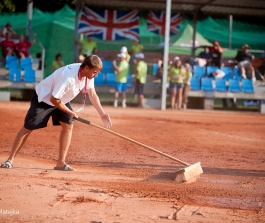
[{"x": 7, "y": 5}]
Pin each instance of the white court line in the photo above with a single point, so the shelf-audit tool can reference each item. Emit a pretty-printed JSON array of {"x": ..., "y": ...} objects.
[{"x": 232, "y": 136}]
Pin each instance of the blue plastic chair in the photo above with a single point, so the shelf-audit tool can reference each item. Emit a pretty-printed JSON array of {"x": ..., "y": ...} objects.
[
  {"x": 155, "y": 68},
  {"x": 29, "y": 75},
  {"x": 107, "y": 67},
  {"x": 26, "y": 63},
  {"x": 14, "y": 74},
  {"x": 207, "y": 84},
  {"x": 228, "y": 72},
  {"x": 236, "y": 74},
  {"x": 110, "y": 79},
  {"x": 247, "y": 86},
  {"x": 129, "y": 81},
  {"x": 210, "y": 69},
  {"x": 199, "y": 71},
  {"x": 195, "y": 84},
  {"x": 99, "y": 80},
  {"x": 220, "y": 85},
  {"x": 234, "y": 85},
  {"x": 11, "y": 62}
]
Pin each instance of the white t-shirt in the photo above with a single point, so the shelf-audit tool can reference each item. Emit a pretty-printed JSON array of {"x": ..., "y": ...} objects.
[{"x": 62, "y": 84}]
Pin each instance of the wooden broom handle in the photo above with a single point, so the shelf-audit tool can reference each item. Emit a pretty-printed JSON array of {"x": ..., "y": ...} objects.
[{"x": 131, "y": 140}]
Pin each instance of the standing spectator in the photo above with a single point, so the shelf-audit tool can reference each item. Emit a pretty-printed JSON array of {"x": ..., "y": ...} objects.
[
  {"x": 6, "y": 29},
  {"x": 57, "y": 63},
  {"x": 22, "y": 47},
  {"x": 141, "y": 72},
  {"x": 7, "y": 46},
  {"x": 244, "y": 59},
  {"x": 121, "y": 79},
  {"x": 176, "y": 74},
  {"x": 124, "y": 50},
  {"x": 89, "y": 47},
  {"x": 186, "y": 82},
  {"x": 137, "y": 47}
]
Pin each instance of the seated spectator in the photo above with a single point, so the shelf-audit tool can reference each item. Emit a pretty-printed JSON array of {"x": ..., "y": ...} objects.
[
  {"x": 22, "y": 47},
  {"x": 6, "y": 29},
  {"x": 137, "y": 47},
  {"x": 88, "y": 47},
  {"x": 216, "y": 54},
  {"x": 7, "y": 46},
  {"x": 176, "y": 74},
  {"x": 243, "y": 59},
  {"x": 204, "y": 57},
  {"x": 57, "y": 63},
  {"x": 186, "y": 82}
]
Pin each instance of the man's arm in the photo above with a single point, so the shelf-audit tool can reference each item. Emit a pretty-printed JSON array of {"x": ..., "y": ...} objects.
[
  {"x": 58, "y": 103},
  {"x": 93, "y": 97}
]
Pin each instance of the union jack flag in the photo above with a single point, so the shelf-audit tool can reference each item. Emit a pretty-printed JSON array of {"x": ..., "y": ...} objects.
[
  {"x": 109, "y": 24},
  {"x": 156, "y": 23}
]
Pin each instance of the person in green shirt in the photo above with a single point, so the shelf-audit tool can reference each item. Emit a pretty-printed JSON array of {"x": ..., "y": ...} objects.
[
  {"x": 88, "y": 47},
  {"x": 137, "y": 47},
  {"x": 57, "y": 63},
  {"x": 141, "y": 72},
  {"x": 186, "y": 82},
  {"x": 121, "y": 71},
  {"x": 176, "y": 74}
]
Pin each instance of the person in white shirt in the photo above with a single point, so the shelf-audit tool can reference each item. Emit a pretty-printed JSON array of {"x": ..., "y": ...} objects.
[{"x": 52, "y": 99}]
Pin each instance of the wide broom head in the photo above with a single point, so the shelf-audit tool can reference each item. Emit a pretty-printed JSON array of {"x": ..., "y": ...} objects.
[{"x": 189, "y": 173}]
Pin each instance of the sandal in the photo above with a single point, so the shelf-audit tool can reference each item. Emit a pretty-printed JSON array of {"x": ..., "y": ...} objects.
[
  {"x": 65, "y": 168},
  {"x": 6, "y": 165}
]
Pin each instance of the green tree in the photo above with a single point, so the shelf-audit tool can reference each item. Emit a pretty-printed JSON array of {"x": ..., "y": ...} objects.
[{"x": 7, "y": 5}]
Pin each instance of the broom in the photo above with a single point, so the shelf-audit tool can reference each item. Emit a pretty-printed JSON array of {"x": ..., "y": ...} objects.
[{"x": 189, "y": 173}]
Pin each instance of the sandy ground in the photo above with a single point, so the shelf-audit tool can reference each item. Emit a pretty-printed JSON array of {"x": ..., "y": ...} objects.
[{"x": 117, "y": 181}]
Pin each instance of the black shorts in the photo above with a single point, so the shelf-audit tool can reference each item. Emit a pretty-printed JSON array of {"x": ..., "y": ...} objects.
[
  {"x": 139, "y": 88},
  {"x": 39, "y": 114}
]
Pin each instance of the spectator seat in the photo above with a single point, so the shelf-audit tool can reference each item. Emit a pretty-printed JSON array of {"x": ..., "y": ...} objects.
[
  {"x": 26, "y": 63},
  {"x": 234, "y": 85},
  {"x": 207, "y": 84},
  {"x": 110, "y": 79},
  {"x": 220, "y": 85},
  {"x": 14, "y": 74},
  {"x": 210, "y": 69},
  {"x": 99, "y": 80},
  {"x": 107, "y": 67},
  {"x": 199, "y": 71},
  {"x": 11, "y": 62},
  {"x": 29, "y": 75},
  {"x": 247, "y": 86},
  {"x": 195, "y": 84},
  {"x": 155, "y": 68}
]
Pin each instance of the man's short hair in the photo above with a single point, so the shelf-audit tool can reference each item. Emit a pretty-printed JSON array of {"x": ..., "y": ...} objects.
[{"x": 92, "y": 61}]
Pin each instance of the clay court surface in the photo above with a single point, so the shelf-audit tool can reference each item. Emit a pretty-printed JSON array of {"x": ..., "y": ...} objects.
[{"x": 117, "y": 181}]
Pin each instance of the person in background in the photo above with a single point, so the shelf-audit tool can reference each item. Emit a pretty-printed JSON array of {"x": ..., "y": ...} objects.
[
  {"x": 204, "y": 57},
  {"x": 6, "y": 29},
  {"x": 176, "y": 74},
  {"x": 141, "y": 72},
  {"x": 88, "y": 47},
  {"x": 186, "y": 87},
  {"x": 58, "y": 62},
  {"x": 261, "y": 68},
  {"x": 125, "y": 50},
  {"x": 137, "y": 47},
  {"x": 244, "y": 60},
  {"x": 7, "y": 46},
  {"x": 22, "y": 47},
  {"x": 39, "y": 57},
  {"x": 121, "y": 79}
]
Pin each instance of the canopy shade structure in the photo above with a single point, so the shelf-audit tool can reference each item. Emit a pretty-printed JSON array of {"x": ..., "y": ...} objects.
[{"x": 217, "y": 7}]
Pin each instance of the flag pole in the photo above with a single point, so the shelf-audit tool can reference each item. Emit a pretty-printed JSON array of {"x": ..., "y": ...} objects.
[{"x": 165, "y": 59}]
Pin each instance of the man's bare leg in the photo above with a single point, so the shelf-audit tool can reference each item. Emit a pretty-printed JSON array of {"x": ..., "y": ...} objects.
[
  {"x": 64, "y": 143},
  {"x": 19, "y": 141}
]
